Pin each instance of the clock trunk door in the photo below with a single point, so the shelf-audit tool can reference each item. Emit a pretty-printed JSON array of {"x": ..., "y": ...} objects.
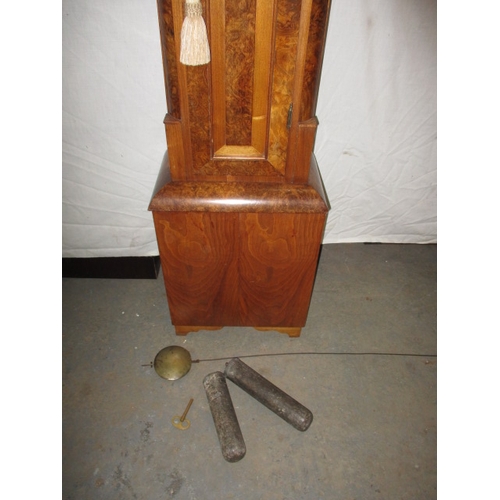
[{"x": 241, "y": 117}]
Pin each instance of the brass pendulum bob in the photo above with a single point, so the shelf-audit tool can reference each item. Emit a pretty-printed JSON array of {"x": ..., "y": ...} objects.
[{"x": 172, "y": 362}]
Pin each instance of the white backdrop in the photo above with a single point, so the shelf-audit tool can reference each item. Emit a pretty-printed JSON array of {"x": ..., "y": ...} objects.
[{"x": 376, "y": 143}]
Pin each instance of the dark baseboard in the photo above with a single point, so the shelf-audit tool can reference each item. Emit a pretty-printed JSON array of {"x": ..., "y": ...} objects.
[{"x": 112, "y": 267}]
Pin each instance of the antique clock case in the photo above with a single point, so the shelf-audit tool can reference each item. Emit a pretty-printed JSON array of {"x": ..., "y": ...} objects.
[{"x": 239, "y": 206}]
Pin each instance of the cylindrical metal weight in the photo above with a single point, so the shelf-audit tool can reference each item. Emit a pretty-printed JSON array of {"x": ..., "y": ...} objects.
[
  {"x": 268, "y": 394},
  {"x": 225, "y": 420}
]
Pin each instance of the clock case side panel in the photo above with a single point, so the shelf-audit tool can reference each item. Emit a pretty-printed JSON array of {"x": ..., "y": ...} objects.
[
  {"x": 187, "y": 93},
  {"x": 304, "y": 123}
]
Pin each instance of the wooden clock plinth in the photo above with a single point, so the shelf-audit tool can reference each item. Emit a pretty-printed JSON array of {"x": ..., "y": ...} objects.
[
  {"x": 239, "y": 208},
  {"x": 239, "y": 254}
]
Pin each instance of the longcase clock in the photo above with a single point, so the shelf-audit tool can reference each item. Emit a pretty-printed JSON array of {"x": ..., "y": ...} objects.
[{"x": 239, "y": 206}]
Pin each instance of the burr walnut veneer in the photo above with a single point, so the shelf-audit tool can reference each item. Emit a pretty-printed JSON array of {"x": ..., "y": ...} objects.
[{"x": 239, "y": 208}]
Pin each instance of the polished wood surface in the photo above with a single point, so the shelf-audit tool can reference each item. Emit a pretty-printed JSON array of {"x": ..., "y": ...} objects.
[
  {"x": 314, "y": 58},
  {"x": 237, "y": 269},
  {"x": 277, "y": 266},
  {"x": 198, "y": 252},
  {"x": 239, "y": 207},
  {"x": 239, "y": 32},
  {"x": 266, "y": 61},
  {"x": 242, "y": 197},
  {"x": 238, "y": 196}
]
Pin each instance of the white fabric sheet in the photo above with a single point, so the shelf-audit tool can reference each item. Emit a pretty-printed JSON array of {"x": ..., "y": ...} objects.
[{"x": 376, "y": 143}]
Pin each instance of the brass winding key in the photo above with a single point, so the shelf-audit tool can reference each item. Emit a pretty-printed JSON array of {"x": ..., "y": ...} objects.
[{"x": 182, "y": 422}]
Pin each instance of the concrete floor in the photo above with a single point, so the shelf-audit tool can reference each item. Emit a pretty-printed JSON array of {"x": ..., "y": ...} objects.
[{"x": 374, "y": 430}]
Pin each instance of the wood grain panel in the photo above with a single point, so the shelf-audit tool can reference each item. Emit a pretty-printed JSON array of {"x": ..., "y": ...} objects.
[
  {"x": 314, "y": 59},
  {"x": 248, "y": 197},
  {"x": 287, "y": 30},
  {"x": 304, "y": 150},
  {"x": 240, "y": 167},
  {"x": 217, "y": 26},
  {"x": 240, "y": 59},
  {"x": 292, "y": 160},
  {"x": 199, "y": 261},
  {"x": 173, "y": 129},
  {"x": 264, "y": 50},
  {"x": 167, "y": 39},
  {"x": 278, "y": 259},
  {"x": 177, "y": 12},
  {"x": 242, "y": 36},
  {"x": 199, "y": 114}
]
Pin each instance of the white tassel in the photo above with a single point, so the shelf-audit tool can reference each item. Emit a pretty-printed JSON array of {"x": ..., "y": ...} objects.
[{"x": 194, "y": 40}]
